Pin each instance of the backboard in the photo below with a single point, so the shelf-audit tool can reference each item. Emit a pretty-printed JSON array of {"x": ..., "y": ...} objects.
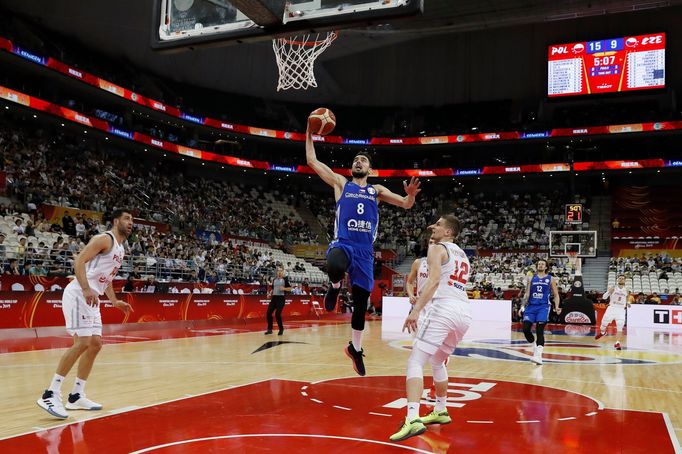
[
  {"x": 582, "y": 242},
  {"x": 190, "y": 23}
]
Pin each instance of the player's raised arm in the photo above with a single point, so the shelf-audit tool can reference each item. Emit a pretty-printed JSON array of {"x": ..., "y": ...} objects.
[
  {"x": 328, "y": 175},
  {"x": 406, "y": 201}
]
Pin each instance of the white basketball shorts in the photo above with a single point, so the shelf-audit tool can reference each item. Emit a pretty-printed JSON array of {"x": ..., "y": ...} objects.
[
  {"x": 443, "y": 326},
  {"x": 616, "y": 313},
  {"x": 80, "y": 318}
]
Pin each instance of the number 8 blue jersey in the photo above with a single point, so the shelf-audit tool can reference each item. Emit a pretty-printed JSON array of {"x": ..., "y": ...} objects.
[{"x": 357, "y": 215}]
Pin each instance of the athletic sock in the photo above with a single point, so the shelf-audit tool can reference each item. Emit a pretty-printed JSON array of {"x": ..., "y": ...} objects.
[
  {"x": 440, "y": 403},
  {"x": 412, "y": 411},
  {"x": 78, "y": 386},
  {"x": 356, "y": 338},
  {"x": 56, "y": 385}
]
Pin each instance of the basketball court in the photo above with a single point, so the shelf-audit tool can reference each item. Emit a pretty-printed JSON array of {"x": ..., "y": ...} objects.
[
  {"x": 229, "y": 388},
  {"x": 217, "y": 386}
]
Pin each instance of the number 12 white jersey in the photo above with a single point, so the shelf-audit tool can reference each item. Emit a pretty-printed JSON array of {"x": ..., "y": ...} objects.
[{"x": 454, "y": 274}]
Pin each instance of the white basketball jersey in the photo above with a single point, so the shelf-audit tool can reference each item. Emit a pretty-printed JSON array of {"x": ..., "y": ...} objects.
[
  {"x": 454, "y": 274},
  {"x": 103, "y": 268},
  {"x": 422, "y": 275},
  {"x": 619, "y": 296}
]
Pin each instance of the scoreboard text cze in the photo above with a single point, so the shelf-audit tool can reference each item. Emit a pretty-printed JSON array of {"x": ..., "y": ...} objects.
[{"x": 608, "y": 65}]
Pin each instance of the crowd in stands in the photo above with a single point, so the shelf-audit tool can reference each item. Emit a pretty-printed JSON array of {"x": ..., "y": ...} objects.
[
  {"x": 511, "y": 271},
  {"x": 68, "y": 173}
]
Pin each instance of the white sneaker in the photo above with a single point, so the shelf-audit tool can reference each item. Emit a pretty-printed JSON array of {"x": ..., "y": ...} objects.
[
  {"x": 80, "y": 402},
  {"x": 52, "y": 404},
  {"x": 537, "y": 355}
]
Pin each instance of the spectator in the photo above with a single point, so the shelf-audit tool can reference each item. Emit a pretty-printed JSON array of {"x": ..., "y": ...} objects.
[
  {"x": 129, "y": 286},
  {"x": 38, "y": 270},
  {"x": 18, "y": 228},
  {"x": 12, "y": 268}
]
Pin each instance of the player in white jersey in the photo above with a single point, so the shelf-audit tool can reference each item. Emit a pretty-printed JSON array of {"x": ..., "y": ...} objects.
[
  {"x": 444, "y": 325},
  {"x": 95, "y": 267},
  {"x": 619, "y": 299}
]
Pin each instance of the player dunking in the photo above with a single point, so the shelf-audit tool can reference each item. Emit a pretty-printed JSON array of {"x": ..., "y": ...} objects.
[
  {"x": 536, "y": 303},
  {"x": 95, "y": 267},
  {"x": 442, "y": 327},
  {"x": 618, "y": 300},
  {"x": 355, "y": 229}
]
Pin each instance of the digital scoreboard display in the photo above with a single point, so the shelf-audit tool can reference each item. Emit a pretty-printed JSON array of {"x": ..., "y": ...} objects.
[
  {"x": 574, "y": 214},
  {"x": 605, "y": 66}
]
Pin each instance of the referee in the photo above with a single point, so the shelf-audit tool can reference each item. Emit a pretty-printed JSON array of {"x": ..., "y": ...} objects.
[{"x": 280, "y": 286}]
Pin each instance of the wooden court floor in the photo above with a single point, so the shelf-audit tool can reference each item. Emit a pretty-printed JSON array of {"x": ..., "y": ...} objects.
[{"x": 232, "y": 389}]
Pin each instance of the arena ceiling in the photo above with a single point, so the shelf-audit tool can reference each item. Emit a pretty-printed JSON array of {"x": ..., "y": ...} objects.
[{"x": 354, "y": 70}]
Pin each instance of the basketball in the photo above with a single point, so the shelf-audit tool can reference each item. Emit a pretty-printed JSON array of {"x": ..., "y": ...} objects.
[{"x": 322, "y": 121}]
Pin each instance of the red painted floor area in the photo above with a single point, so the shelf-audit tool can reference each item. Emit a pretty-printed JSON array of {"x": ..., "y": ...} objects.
[
  {"x": 27, "y": 339},
  {"x": 357, "y": 415}
]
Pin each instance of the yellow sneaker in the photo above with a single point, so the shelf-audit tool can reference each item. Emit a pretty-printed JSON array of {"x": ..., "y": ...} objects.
[
  {"x": 436, "y": 417},
  {"x": 409, "y": 429}
]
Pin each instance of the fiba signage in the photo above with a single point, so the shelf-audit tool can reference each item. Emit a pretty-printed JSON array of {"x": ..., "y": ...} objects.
[{"x": 667, "y": 317}]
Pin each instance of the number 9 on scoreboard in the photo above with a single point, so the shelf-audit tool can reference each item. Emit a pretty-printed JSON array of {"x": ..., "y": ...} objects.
[{"x": 574, "y": 213}]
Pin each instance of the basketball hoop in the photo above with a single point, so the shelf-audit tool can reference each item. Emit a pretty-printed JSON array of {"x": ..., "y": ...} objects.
[
  {"x": 575, "y": 262},
  {"x": 296, "y": 57}
]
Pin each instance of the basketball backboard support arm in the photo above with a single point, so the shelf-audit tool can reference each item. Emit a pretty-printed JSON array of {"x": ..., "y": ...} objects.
[{"x": 266, "y": 13}]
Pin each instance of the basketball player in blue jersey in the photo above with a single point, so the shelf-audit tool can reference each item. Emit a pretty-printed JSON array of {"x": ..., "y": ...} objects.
[
  {"x": 536, "y": 303},
  {"x": 355, "y": 229}
]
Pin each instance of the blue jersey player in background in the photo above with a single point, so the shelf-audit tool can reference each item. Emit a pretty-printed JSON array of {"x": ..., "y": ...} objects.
[
  {"x": 536, "y": 301},
  {"x": 357, "y": 219}
]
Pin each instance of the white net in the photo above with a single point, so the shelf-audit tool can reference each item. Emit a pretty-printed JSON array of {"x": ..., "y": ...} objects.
[{"x": 296, "y": 57}]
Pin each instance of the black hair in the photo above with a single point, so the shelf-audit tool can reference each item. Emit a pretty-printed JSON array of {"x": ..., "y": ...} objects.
[
  {"x": 118, "y": 212},
  {"x": 365, "y": 154}
]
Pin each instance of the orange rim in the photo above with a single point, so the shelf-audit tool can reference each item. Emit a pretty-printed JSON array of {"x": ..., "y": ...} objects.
[{"x": 309, "y": 43}]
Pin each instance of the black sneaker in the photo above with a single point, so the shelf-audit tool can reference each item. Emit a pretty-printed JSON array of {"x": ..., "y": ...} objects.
[
  {"x": 268, "y": 332},
  {"x": 281, "y": 331},
  {"x": 356, "y": 356},
  {"x": 330, "y": 298}
]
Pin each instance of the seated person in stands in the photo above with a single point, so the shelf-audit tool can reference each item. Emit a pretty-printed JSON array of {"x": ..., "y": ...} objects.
[
  {"x": 641, "y": 298},
  {"x": 129, "y": 285},
  {"x": 12, "y": 268},
  {"x": 38, "y": 269},
  {"x": 653, "y": 299},
  {"x": 150, "y": 285}
]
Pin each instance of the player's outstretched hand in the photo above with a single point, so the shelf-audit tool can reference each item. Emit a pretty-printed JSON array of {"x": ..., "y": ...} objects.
[{"x": 412, "y": 188}]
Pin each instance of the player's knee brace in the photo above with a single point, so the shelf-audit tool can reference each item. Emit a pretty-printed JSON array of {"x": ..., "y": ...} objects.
[
  {"x": 337, "y": 264},
  {"x": 527, "y": 333},
  {"x": 440, "y": 371},
  {"x": 415, "y": 363},
  {"x": 540, "y": 332},
  {"x": 360, "y": 299}
]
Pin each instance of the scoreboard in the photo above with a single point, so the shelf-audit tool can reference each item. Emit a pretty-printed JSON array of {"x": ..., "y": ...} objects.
[
  {"x": 574, "y": 214},
  {"x": 608, "y": 65}
]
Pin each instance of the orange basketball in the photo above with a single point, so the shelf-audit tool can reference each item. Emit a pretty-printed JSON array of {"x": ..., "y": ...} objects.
[{"x": 322, "y": 121}]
